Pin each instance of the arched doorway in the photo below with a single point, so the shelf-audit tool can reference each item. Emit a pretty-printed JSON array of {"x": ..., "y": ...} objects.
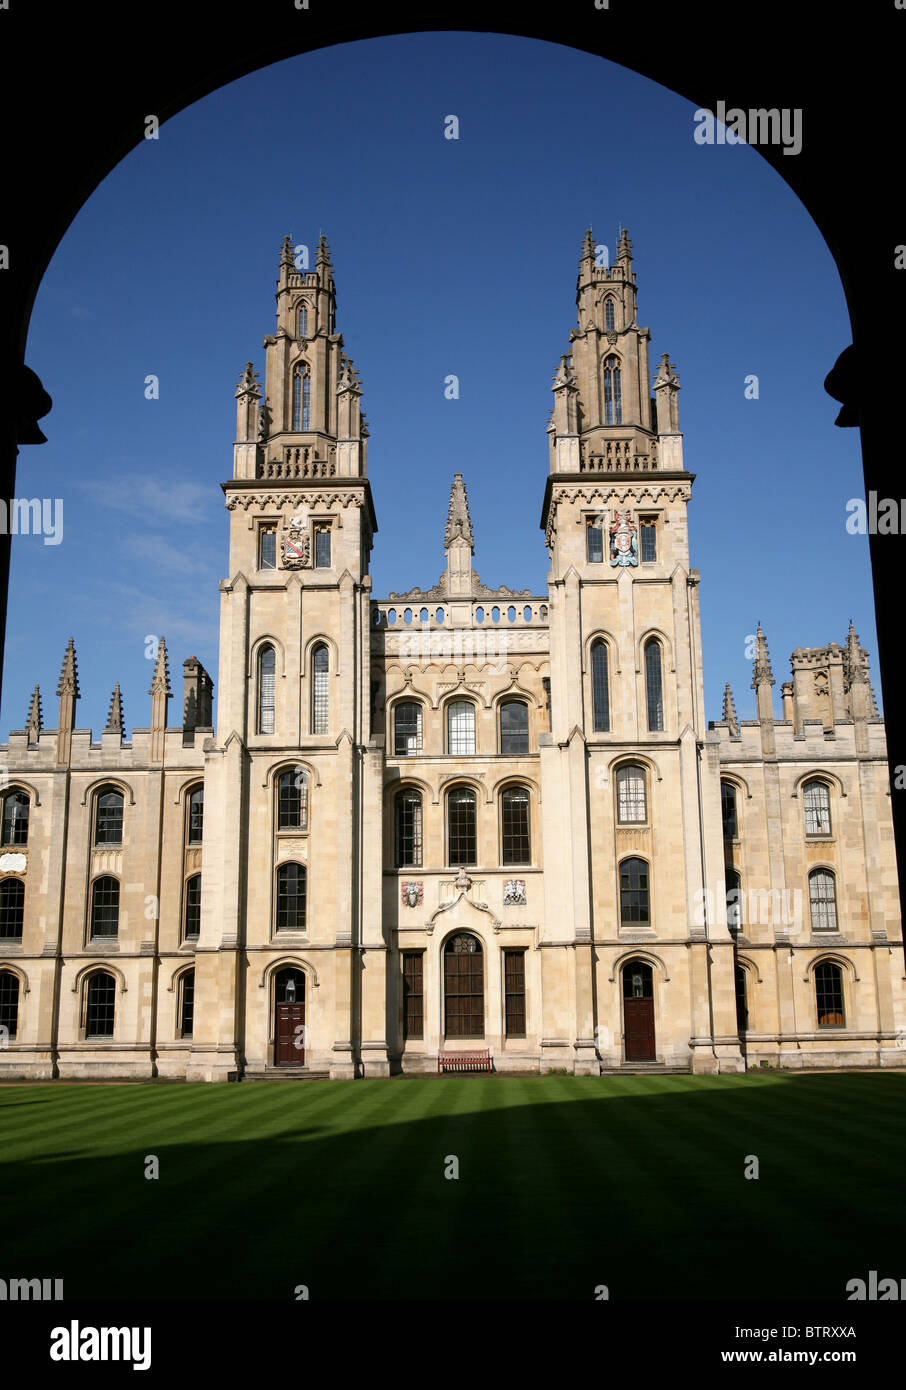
[
  {"x": 289, "y": 1017},
  {"x": 463, "y": 987},
  {"x": 638, "y": 1012}
]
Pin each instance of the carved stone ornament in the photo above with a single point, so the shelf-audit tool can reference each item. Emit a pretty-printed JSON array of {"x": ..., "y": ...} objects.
[
  {"x": 514, "y": 892},
  {"x": 296, "y": 544},
  {"x": 412, "y": 893}
]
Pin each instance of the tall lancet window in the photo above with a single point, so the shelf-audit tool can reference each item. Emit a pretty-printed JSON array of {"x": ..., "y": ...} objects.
[
  {"x": 608, "y": 316},
  {"x": 319, "y": 688},
  {"x": 613, "y": 392},
  {"x": 267, "y": 672},
  {"x": 600, "y": 691},
  {"x": 301, "y": 399},
  {"x": 302, "y": 321},
  {"x": 654, "y": 685}
]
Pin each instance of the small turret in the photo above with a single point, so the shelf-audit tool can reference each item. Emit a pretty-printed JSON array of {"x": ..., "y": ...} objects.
[
  {"x": 729, "y": 711},
  {"x": 160, "y": 693}
]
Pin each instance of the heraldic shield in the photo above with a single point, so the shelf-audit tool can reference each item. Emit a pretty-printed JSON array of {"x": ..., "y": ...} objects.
[{"x": 624, "y": 547}]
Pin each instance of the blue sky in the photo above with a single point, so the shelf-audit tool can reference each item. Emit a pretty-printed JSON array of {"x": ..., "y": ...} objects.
[{"x": 450, "y": 257}]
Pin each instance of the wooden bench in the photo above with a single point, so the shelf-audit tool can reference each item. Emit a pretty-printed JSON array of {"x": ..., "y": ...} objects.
[{"x": 464, "y": 1061}]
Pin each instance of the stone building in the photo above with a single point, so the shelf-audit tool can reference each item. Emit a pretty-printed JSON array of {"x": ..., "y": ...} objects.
[{"x": 458, "y": 818}]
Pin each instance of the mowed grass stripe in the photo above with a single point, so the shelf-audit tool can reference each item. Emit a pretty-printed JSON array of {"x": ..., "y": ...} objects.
[{"x": 563, "y": 1180}]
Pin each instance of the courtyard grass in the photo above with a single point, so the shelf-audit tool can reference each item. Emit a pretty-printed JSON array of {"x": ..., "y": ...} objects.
[{"x": 565, "y": 1183}]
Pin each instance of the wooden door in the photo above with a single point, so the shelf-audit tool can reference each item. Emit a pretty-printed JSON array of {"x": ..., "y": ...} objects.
[
  {"x": 463, "y": 988},
  {"x": 289, "y": 1046},
  {"x": 638, "y": 1012}
]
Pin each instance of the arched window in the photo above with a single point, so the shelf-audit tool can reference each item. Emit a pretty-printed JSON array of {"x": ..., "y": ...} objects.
[
  {"x": 407, "y": 729},
  {"x": 608, "y": 316},
  {"x": 9, "y": 1002},
  {"x": 635, "y": 905},
  {"x": 823, "y": 900},
  {"x": 108, "y": 818},
  {"x": 816, "y": 800},
  {"x": 291, "y": 897},
  {"x": 301, "y": 399},
  {"x": 613, "y": 394},
  {"x": 320, "y": 665},
  {"x": 292, "y": 799},
  {"x": 100, "y": 1005},
  {"x": 15, "y": 818},
  {"x": 742, "y": 1011},
  {"x": 516, "y": 847},
  {"x": 654, "y": 686},
  {"x": 734, "y": 910},
  {"x": 267, "y": 684},
  {"x": 461, "y": 827},
  {"x": 302, "y": 321},
  {"x": 186, "y": 1003},
  {"x": 728, "y": 810},
  {"x": 408, "y": 828},
  {"x": 105, "y": 907},
  {"x": 631, "y": 800},
  {"x": 196, "y": 815},
  {"x": 600, "y": 688},
  {"x": 514, "y": 738},
  {"x": 460, "y": 728},
  {"x": 192, "y": 914},
  {"x": 829, "y": 995},
  {"x": 463, "y": 987},
  {"x": 12, "y": 909}
]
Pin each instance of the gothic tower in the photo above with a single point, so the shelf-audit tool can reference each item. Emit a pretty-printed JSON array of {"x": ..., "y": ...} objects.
[
  {"x": 628, "y": 755},
  {"x": 284, "y": 778}
]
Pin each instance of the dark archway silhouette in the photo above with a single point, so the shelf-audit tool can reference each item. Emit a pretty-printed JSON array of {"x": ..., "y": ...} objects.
[{"x": 79, "y": 81}]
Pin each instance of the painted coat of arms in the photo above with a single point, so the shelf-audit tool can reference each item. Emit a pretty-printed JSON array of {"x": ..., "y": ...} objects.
[
  {"x": 624, "y": 546},
  {"x": 296, "y": 544},
  {"x": 514, "y": 892},
  {"x": 412, "y": 894}
]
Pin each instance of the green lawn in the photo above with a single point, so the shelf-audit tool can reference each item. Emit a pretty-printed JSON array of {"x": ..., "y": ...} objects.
[{"x": 565, "y": 1183}]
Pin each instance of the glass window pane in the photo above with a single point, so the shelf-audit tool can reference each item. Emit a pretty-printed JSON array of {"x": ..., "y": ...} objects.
[
  {"x": 408, "y": 829},
  {"x": 461, "y": 728},
  {"x": 407, "y": 727},
  {"x": 267, "y": 677},
  {"x": 600, "y": 688},
  {"x": 461, "y": 822},
  {"x": 514, "y": 806},
  {"x": 654, "y": 686},
  {"x": 631, "y": 807},
  {"x": 267, "y": 558},
  {"x": 514, "y": 735},
  {"x": 319, "y": 690},
  {"x": 15, "y": 819},
  {"x": 291, "y": 897}
]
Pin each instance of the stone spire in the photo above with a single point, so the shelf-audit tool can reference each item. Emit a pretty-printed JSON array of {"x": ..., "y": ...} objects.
[
  {"x": 115, "y": 723},
  {"x": 856, "y": 681},
  {"x": 323, "y": 254},
  {"x": 730, "y": 711},
  {"x": 624, "y": 248},
  {"x": 68, "y": 691},
  {"x": 762, "y": 680},
  {"x": 286, "y": 254},
  {"x": 35, "y": 721},
  {"x": 459, "y": 523},
  {"x": 160, "y": 693},
  {"x": 761, "y": 665}
]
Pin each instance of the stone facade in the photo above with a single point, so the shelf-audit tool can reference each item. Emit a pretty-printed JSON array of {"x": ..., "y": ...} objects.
[{"x": 458, "y": 818}]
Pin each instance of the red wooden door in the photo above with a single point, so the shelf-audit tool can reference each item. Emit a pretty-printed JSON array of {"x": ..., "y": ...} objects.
[
  {"x": 638, "y": 1012},
  {"x": 289, "y": 1047}
]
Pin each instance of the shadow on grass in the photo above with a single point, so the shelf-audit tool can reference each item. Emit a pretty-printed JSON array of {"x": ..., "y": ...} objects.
[{"x": 563, "y": 1185}]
